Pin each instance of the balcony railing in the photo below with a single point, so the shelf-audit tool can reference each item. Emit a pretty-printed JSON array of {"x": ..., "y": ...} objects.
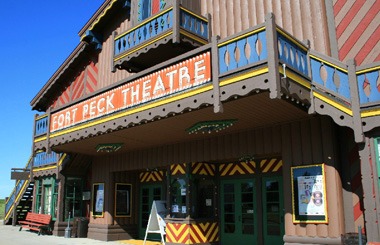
[
  {"x": 41, "y": 125},
  {"x": 170, "y": 24},
  {"x": 43, "y": 158},
  {"x": 248, "y": 49}
]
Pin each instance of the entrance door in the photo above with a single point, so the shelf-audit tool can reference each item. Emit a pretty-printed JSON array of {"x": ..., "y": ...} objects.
[
  {"x": 273, "y": 214},
  {"x": 148, "y": 194},
  {"x": 238, "y": 220}
]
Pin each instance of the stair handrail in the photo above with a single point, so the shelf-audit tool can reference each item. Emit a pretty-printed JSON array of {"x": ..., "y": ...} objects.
[{"x": 15, "y": 194}]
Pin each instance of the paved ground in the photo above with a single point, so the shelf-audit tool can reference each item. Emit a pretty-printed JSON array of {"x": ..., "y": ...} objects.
[{"x": 10, "y": 235}]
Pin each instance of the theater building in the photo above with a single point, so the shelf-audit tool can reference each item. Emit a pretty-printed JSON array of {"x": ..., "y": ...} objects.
[{"x": 255, "y": 121}]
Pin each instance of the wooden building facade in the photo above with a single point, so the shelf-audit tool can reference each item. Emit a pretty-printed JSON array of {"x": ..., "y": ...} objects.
[{"x": 217, "y": 108}]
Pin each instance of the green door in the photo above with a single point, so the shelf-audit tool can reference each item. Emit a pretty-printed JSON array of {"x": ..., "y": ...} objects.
[
  {"x": 148, "y": 194},
  {"x": 238, "y": 221},
  {"x": 273, "y": 214}
]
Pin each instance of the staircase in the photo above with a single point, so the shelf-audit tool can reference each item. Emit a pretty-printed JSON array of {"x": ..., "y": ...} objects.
[{"x": 23, "y": 194}]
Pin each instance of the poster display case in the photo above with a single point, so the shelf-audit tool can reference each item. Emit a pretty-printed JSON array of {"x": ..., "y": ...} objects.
[{"x": 309, "y": 194}]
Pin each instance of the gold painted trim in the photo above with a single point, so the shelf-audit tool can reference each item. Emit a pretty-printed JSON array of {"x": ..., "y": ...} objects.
[
  {"x": 240, "y": 37},
  {"x": 61, "y": 159},
  {"x": 296, "y": 42},
  {"x": 333, "y": 103},
  {"x": 329, "y": 63},
  {"x": 21, "y": 192},
  {"x": 143, "y": 46},
  {"x": 370, "y": 113},
  {"x": 367, "y": 70},
  {"x": 296, "y": 78},
  {"x": 192, "y": 36},
  {"x": 129, "y": 112},
  {"x": 99, "y": 17},
  {"x": 40, "y": 139},
  {"x": 244, "y": 76},
  {"x": 44, "y": 168},
  {"x": 326, "y": 218},
  {"x": 194, "y": 14},
  {"x": 42, "y": 116},
  {"x": 142, "y": 23}
]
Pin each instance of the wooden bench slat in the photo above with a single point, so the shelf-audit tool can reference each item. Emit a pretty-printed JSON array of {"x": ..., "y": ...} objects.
[{"x": 34, "y": 221}]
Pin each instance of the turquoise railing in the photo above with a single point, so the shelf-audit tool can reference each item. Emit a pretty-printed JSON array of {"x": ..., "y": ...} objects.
[
  {"x": 143, "y": 32},
  {"x": 331, "y": 76},
  {"x": 43, "y": 158},
  {"x": 369, "y": 85},
  {"x": 293, "y": 54},
  {"x": 193, "y": 23},
  {"x": 243, "y": 50},
  {"x": 41, "y": 125}
]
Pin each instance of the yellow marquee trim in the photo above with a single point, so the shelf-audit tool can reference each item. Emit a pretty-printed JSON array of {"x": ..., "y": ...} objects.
[
  {"x": 370, "y": 113},
  {"x": 333, "y": 103},
  {"x": 244, "y": 76},
  {"x": 296, "y": 78}
]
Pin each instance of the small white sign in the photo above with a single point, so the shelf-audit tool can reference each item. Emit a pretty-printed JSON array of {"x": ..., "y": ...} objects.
[{"x": 208, "y": 202}]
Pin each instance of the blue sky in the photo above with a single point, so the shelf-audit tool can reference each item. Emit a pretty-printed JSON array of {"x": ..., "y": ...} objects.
[{"x": 36, "y": 36}]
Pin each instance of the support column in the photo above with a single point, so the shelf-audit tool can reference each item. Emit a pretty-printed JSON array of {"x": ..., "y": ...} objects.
[{"x": 369, "y": 192}]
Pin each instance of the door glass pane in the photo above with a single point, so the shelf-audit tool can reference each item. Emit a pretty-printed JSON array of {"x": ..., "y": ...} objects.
[
  {"x": 273, "y": 214},
  {"x": 247, "y": 211}
]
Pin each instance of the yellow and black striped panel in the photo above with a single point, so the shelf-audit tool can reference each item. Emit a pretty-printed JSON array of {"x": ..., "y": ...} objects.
[
  {"x": 270, "y": 165},
  {"x": 178, "y": 169},
  {"x": 192, "y": 233},
  {"x": 154, "y": 176},
  {"x": 241, "y": 168},
  {"x": 203, "y": 168}
]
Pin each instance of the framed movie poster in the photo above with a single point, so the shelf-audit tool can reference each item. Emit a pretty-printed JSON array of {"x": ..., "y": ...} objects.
[
  {"x": 309, "y": 194},
  {"x": 98, "y": 200},
  {"x": 123, "y": 200}
]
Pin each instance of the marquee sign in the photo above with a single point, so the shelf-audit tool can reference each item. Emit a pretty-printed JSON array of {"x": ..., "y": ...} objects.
[{"x": 168, "y": 81}]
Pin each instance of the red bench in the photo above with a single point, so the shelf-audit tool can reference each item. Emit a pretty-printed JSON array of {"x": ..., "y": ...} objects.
[{"x": 36, "y": 222}]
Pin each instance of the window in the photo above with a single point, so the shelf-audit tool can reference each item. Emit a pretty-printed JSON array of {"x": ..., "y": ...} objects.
[
  {"x": 203, "y": 190},
  {"x": 73, "y": 197},
  {"x": 147, "y": 8},
  {"x": 37, "y": 206},
  {"x": 123, "y": 200},
  {"x": 46, "y": 196},
  {"x": 178, "y": 198}
]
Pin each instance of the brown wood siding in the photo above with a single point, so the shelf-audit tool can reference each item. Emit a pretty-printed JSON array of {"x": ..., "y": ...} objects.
[
  {"x": 106, "y": 76},
  {"x": 128, "y": 178},
  {"x": 298, "y": 143},
  {"x": 306, "y": 20}
]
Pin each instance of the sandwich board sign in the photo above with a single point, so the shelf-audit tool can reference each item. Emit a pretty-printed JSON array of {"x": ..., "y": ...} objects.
[{"x": 156, "y": 222}]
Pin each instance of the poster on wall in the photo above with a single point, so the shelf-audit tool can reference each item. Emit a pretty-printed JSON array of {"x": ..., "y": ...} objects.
[
  {"x": 123, "y": 199},
  {"x": 98, "y": 200},
  {"x": 309, "y": 194}
]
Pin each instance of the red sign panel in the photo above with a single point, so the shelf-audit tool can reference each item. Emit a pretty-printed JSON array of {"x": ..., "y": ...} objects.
[{"x": 171, "y": 80}]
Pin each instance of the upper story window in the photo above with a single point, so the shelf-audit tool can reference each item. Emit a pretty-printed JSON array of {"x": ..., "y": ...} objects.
[{"x": 147, "y": 8}]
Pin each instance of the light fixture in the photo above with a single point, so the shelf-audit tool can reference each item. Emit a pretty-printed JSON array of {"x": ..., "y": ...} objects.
[
  {"x": 109, "y": 147},
  {"x": 210, "y": 126}
]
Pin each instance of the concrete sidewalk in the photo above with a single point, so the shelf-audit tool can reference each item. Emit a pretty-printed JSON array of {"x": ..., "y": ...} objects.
[{"x": 10, "y": 235}]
